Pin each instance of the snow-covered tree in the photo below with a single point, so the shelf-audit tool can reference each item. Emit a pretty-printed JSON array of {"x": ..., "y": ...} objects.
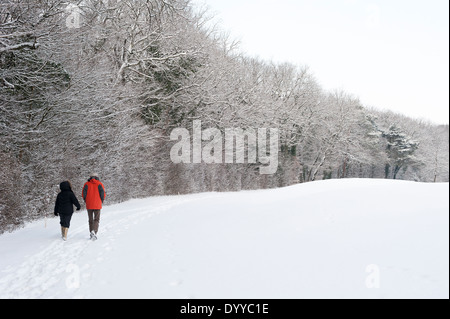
[
  {"x": 400, "y": 149},
  {"x": 98, "y": 85}
]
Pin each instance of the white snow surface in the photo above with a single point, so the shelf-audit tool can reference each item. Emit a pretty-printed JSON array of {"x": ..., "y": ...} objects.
[{"x": 328, "y": 239}]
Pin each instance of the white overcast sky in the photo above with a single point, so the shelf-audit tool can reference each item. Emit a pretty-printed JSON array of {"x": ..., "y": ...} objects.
[{"x": 392, "y": 54}]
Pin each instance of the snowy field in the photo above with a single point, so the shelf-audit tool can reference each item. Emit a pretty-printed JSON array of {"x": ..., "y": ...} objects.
[{"x": 327, "y": 239}]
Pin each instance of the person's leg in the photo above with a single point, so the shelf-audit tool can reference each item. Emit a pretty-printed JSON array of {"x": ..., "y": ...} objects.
[
  {"x": 96, "y": 222},
  {"x": 68, "y": 219},
  {"x": 65, "y": 220},
  {"x": 65, "y": 224},
  {"x": 91, "y": 219}
]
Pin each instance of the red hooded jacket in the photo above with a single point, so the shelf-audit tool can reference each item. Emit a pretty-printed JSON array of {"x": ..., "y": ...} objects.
[{"x": 93, "y": 194}]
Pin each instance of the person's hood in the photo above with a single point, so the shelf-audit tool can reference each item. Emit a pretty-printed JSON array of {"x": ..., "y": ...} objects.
[
  {"x": 94, "y": 181},
  {"x": 65, "y": 186}
]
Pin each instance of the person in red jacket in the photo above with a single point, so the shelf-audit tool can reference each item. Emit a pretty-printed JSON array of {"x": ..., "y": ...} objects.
[{"x": 93, "y": 195}]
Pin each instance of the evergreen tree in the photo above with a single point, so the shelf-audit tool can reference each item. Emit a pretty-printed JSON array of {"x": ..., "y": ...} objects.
[{"x": 400, "y": 150}]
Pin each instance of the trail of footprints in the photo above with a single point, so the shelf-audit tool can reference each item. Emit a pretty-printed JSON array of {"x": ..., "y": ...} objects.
[{"x": 57, "y": 263}]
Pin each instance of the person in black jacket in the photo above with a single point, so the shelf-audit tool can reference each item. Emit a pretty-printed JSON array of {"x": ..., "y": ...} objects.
[{"x": 64, "y": 206}]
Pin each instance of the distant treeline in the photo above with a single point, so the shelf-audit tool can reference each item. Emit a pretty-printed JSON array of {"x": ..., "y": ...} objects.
[{"x": 100, "y": 86}]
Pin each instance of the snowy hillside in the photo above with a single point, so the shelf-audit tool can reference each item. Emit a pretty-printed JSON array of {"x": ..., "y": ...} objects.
[{"x": 330, "y": 239}]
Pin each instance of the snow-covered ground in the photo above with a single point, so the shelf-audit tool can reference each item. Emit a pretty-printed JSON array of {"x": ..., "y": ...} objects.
[{"x": 328, "y": 239}]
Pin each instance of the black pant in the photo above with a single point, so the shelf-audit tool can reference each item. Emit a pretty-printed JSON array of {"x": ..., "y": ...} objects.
[{"x": 65, "y": 220}]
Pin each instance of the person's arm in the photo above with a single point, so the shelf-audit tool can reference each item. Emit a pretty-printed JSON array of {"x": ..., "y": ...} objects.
[
  {"x": 75, "y": 201},
  {"x": 84, "y": 192},
  {"x": 101, "y": 191},
  {"x": 56, "y": 211}
]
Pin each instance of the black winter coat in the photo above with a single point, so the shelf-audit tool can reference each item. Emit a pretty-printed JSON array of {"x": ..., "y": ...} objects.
[{"x": 65, "y": 200}]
